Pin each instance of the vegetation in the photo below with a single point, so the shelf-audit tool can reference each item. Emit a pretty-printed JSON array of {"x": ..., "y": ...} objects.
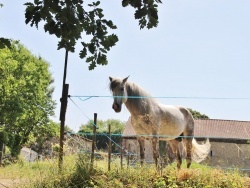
[
  {"x": 67, "y": 20},
  {"x": 40, "y": 138},
  {"x": 102, "y": 140},
  {"x": 198, "y": 115},
  {"x": 79, "y": 173},
  {"x": 3, "y": 41},
  {"x": 102, "y": 126},
  {"x": 25, "y": 96}
]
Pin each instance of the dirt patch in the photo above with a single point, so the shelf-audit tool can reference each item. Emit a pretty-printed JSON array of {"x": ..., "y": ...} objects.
[{"x": 8, "y": 183}]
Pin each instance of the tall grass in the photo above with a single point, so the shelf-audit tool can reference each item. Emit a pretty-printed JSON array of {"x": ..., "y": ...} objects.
[
  {"x": 25, "y": 174},
  {"x": 78, "y": 172}
]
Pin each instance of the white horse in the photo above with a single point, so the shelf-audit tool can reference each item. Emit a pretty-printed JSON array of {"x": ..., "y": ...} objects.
[{"x": 155, "y": 121}]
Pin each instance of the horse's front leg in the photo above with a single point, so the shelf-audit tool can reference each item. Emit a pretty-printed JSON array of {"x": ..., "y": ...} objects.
[
  {"x": 141, "y": 142},
  {"x": 155, "y": 150}
]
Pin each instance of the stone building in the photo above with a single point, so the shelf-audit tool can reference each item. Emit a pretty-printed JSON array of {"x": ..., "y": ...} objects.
[{"x": 229, "y": 142}]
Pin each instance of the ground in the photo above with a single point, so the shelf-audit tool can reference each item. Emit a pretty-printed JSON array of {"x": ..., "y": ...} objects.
[{"x": 8, "y": 183}]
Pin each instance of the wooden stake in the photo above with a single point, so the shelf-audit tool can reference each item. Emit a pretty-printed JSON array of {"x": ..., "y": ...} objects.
[
  {"x": 110, "y": 148},
  {"x": 128, "y": 155},
  {"x": 93, "y": 140},
  {"x": 64, "y": 99},
  {"x": 121, "y": 154}
]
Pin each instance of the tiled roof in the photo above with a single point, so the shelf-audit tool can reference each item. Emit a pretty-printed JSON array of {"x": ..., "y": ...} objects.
[
  {"x": 215, "y": 128},
  {"x": 211, "y": 128}
]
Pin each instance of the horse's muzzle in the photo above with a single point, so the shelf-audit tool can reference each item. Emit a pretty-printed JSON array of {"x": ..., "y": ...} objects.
[{"x": 117, "y": 107}]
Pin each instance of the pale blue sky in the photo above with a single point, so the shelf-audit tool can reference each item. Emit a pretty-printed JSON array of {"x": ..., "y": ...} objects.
[{"x": 199, "y": 49}]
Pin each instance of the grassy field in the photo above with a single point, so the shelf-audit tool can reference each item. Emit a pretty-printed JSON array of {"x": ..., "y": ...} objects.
[{"x": 78, "y": 172}]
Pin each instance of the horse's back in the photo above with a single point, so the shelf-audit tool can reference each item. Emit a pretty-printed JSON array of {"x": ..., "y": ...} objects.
[
  {"x": 171, "y": 111},
  {"x": 176, "y": 111},
  {"x": 174, "y": 120}
]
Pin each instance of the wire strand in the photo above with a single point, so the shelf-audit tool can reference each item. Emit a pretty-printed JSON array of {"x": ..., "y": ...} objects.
[
  {"x": 87, "y": 97},
  {"x": 92, "y": 122}
]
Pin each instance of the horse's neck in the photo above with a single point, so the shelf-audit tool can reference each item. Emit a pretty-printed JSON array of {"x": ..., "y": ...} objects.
[{"x": 142, "y": 103}]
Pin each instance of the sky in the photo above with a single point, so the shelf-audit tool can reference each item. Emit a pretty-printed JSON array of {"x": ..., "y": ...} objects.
[{"x": 199, "y": 51}]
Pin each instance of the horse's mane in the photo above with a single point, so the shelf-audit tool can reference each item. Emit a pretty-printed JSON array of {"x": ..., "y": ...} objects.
[
  {"x": 142, "y": 97},
  {"x": 132, "y": 89},
  {"x": 136, "y": 90},
  {"x": 138, "y": 98}
]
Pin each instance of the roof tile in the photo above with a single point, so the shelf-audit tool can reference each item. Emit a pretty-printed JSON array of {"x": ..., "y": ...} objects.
[{"x": 210, "y": 128}]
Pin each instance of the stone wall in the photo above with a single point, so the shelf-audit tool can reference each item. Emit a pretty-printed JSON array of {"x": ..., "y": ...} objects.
[
  {"x": 229, "y": 155},
  {"x": 222, "y": 154}
]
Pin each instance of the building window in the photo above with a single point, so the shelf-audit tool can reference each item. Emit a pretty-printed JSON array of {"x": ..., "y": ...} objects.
[{"x": 211, "y": 153}]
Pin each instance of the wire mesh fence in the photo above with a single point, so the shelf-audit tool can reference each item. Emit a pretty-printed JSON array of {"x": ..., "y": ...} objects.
[
  {"x": 223, "y": 154},
  {"x": 229, "y": 140}
]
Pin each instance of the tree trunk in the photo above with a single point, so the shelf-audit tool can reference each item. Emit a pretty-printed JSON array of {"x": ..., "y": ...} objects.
[{"x": 1, "y": 152}]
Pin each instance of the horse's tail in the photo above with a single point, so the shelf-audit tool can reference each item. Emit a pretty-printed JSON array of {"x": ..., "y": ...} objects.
[{"x": 200, "y": 151}]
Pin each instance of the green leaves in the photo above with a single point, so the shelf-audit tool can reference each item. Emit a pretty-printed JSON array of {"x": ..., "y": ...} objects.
[
  {"x": 146, "y": 12},
  {"x": 5, "y": 43},
  {"x": 62, "y": 18},
  {"x": 67, "y": 20},
  {"x": 98, "y": 47},
  {"x": 101, "y": 42},
  {"x": 25, "y": 92},
  {"x": 197, "y": 115}
]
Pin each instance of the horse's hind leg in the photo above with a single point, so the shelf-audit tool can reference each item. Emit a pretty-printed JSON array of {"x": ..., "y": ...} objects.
[
  {"x": 188, "y": 145},
  {"x": 141, "y": 142},
  {"x": 188, "y": 137},
  {"x": 174, "y": 146}
]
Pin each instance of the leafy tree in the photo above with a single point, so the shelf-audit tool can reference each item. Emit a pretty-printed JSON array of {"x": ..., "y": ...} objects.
[
  {"x": 102, "y": 131},
  {"x": 3, "y": 41},
  {"x": 3, "y": 139},
  {"x": 39, "y": 138},
  {"x": 68, "y": 129},
  {"x": 68, "y": 19},
  {"x": 102, "y": 126},
  {"x": 146, "y": 12},
  {"x": 25, "y": 94},
  {"x": 198, "y": 115}
]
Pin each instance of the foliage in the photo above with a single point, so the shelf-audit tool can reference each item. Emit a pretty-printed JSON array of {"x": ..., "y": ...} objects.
[
  {"x": 77, "y": 172},
  {"x": 25, "y": 94},
  {"x": 198, "y": 115},
  {"x": 68, "y": 129},
  {"x": 67, "y": 20},
  {"x": 146, "y": 11},
  {"x": 102, "y": 132},
  {"x": 40, "y": 138},
  {"x": 5, "y": 43},
  {"x": 102, "y": 126},
  {"x": 3, "y": 135}
]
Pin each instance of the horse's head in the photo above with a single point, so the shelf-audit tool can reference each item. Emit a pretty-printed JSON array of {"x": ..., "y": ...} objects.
[{"x": 118, "y": 89}]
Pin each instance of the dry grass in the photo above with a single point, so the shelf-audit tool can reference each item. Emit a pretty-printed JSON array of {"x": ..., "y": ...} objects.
[{"x": 77, "y": 171}]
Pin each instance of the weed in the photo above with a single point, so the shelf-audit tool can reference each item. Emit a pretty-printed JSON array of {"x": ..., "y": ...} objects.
[{"x": 78, "y": 172}]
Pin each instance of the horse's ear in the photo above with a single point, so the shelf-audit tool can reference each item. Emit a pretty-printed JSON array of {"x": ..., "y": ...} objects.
[
  {"x": 125, "y": 80},
  {"x": 110, "y": 78}
]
